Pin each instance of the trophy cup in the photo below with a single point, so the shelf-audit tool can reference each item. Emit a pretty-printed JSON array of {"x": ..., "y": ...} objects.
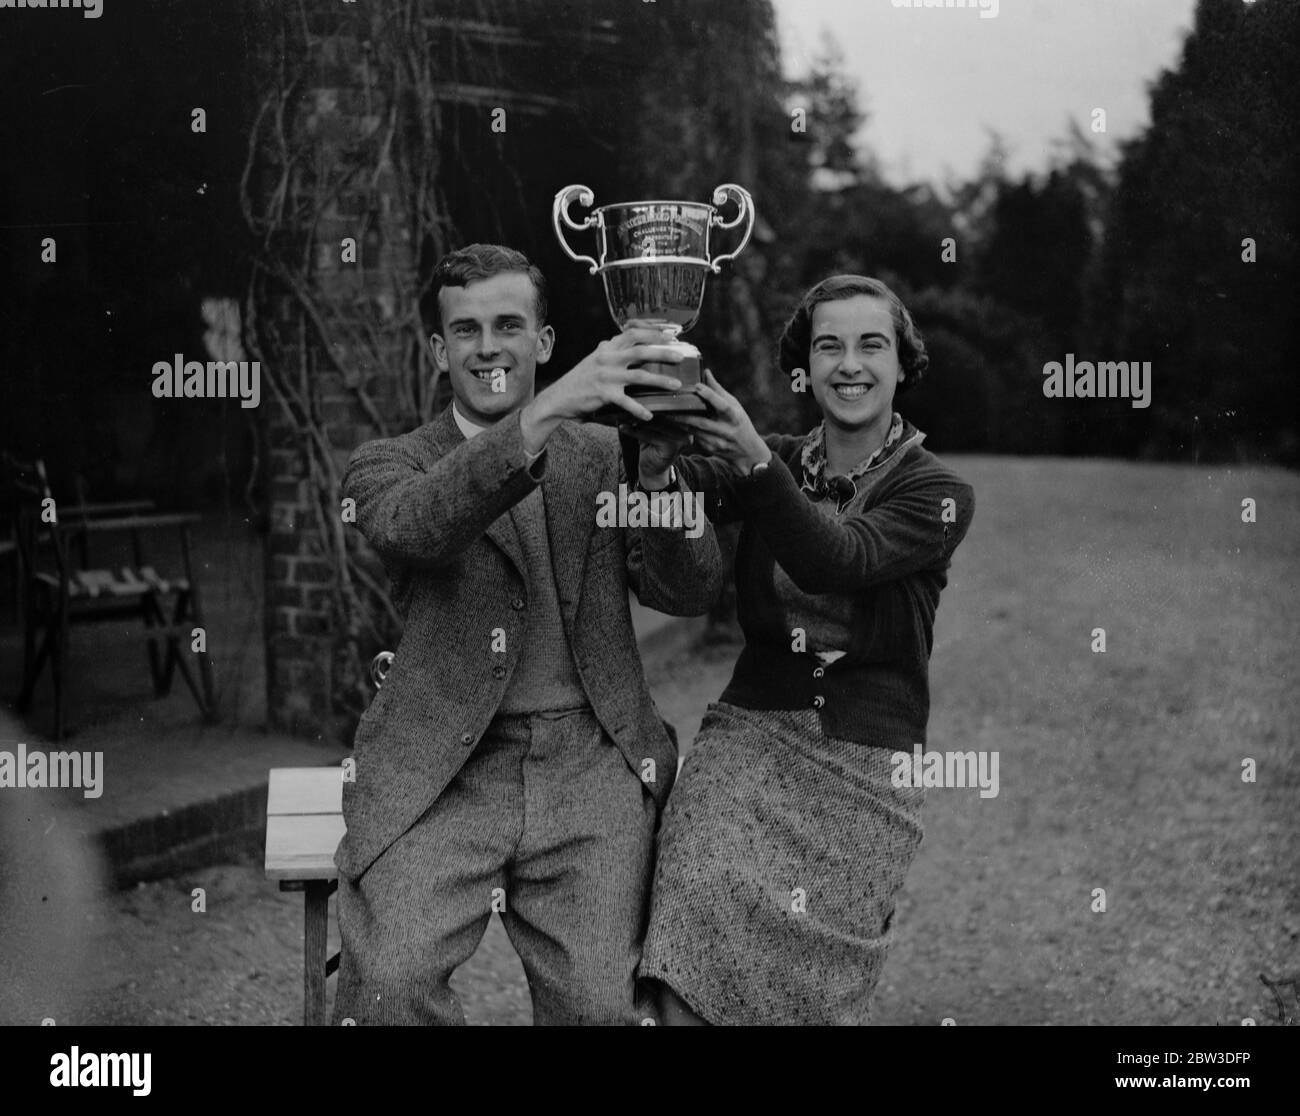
[{"x": 654, "y": 258}]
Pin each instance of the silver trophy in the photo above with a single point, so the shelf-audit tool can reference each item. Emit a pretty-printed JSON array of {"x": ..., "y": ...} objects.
[{"x": 654, "y": 258}]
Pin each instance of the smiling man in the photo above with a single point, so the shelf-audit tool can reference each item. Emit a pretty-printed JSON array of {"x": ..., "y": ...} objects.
[
  {"x": 514, "y": 760},
  {"x": 492, "y": 345}
]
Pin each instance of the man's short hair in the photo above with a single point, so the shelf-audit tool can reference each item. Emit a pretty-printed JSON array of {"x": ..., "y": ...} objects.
[{"x": 482, "y": 261}]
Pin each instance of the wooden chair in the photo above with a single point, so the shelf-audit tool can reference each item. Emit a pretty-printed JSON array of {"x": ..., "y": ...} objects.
[
  {"x": 56, "y": 592},
  {"x": 304, "y": 825}
]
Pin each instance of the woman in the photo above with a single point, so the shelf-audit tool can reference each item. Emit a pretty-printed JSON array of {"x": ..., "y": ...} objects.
[{"x": 784, "y": 841}]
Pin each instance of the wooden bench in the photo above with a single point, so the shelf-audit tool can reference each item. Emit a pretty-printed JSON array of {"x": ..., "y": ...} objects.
[{"x": 304, "y": 825}]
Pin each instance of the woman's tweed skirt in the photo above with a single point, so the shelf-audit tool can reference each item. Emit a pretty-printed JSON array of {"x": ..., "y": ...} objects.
[{"x": 780, "y": 854}]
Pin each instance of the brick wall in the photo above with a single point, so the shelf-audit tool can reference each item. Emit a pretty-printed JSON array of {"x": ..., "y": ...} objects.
[{"x": 306, "y": 668}]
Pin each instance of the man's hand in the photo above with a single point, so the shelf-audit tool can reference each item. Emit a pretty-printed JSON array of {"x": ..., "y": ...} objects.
[
  {"x": 661, "y": 442},
  {"x": 601, "y": 378},
  {"x": 728, "y": 433}
]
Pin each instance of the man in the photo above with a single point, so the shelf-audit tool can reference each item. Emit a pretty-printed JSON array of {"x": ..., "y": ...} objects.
[{"x": 513, "y": 760}]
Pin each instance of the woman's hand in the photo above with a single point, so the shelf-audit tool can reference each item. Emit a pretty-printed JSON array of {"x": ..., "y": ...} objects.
[{"x": 728, "y": 434}]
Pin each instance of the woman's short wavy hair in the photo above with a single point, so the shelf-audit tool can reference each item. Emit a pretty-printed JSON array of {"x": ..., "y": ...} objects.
[{"x": 796, "y": 340}]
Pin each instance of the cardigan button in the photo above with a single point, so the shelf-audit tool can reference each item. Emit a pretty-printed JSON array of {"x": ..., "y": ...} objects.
[
  {"x": 498, "y": 672},
  {"x": 818, "y": 701},
  {"x": 467, "y": 738},
  {"x": 819, "y": 672},
  {"x": 517, "y": 604}
]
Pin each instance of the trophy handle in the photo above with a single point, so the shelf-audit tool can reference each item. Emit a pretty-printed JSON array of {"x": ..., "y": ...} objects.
[
  {"x": 746, "y": 214},
  {"x": 560, "y": 212}
]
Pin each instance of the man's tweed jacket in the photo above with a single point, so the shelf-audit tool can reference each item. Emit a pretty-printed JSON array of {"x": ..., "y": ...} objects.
[{"x": 433, "y": 506}]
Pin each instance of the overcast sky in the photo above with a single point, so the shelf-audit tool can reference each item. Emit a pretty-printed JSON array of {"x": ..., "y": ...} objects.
[{"x": 932, "y": 79}]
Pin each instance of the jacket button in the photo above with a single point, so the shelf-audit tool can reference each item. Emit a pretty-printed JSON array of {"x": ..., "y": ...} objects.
[
  {"x": 818, "y": 701},
  {"x": 498, "y": 672},
  {"x": 467, "y": 738},
  {"x": 819, "y": 672},
  {"x": 517, "y": 604}
]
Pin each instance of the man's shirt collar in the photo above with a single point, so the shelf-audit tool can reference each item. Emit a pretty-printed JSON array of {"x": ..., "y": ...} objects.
[{"x": 469, "y": 429}]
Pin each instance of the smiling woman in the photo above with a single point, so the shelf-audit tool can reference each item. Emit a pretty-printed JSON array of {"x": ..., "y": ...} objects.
[
  {"x": 855, "y": 334},
  {"x": 786, "y": 839}
]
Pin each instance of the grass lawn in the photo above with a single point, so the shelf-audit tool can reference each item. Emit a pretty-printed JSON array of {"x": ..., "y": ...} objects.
[{"x": 1120, "y": 771}]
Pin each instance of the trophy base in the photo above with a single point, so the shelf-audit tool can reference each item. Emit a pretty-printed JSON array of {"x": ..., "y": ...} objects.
[
  {"x": 688, "y": 371},
  {"x": 662, "y": 404},
  {"x": 665, "y": 403}
]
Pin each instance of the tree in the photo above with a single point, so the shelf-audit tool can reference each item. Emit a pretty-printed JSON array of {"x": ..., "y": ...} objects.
[
  {"x": 1218, "y": 166},
  {"x": 830, "y": 100}
]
